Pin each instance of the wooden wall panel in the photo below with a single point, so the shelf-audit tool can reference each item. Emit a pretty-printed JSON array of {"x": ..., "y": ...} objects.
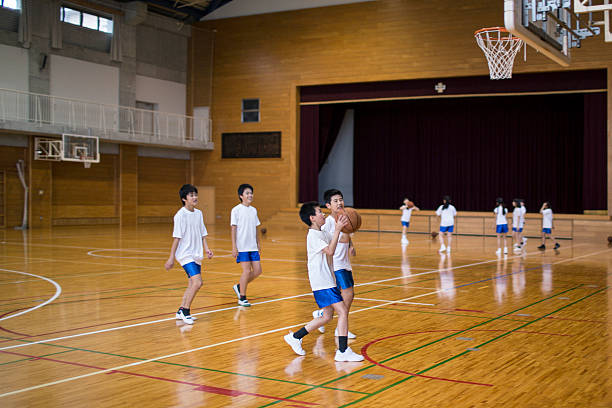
[
  {"x": 269, "y": 56},
  {"x": 14, "y": 191},
  {"x": 159, "y": 182},
  {"x": 80, "y": 193},
  {"x": 128, "y": 185}
]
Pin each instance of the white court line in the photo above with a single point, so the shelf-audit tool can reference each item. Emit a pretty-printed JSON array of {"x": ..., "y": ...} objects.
[
  {"x": 58, "y": 290},
  {"x": 386, "y": 300},
  {"x": 236, "y": 307},
  {"x": 212, "y": 345}
]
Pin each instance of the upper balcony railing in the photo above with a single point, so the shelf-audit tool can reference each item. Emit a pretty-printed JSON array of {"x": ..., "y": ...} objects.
[{"x": 54, "y": 114}]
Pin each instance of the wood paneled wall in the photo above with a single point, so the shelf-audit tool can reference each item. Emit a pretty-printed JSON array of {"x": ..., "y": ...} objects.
[
  {"x": 66, "y": 193},
  {"x": 270, "y": 56}
]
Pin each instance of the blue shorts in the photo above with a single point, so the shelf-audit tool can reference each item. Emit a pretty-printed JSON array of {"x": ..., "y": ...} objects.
[
  {"x": 547, "y": 230},
  {"x": 326, "y": 297},
  {"x": 405, "y": 224},
  {"x": 517, "y": 229},
  {"x": 344, "y": 278},
  {"x": 501, "y": 228},
  {"x": 447, "y": 229},
  {"x": 247, "y": 256},
  {"x": 192, "y": 269}
]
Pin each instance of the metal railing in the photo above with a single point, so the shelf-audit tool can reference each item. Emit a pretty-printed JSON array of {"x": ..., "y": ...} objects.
[{"x": 110, "y": 122}]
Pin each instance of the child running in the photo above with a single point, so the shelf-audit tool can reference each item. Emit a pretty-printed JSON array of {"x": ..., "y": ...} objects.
[
  {"x": 341, "y": 262},
  {"x": 320, "y": 246},
  {"x": 188, "y": 248},
  {"x": 407, "y": 210},
  {"x": 501, "y": 227},
  {"x": 447, "y": 213},
  {"x": 547, "y": 225}
]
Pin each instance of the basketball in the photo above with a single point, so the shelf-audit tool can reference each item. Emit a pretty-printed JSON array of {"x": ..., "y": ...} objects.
[
  {"x": 434, "y": 234},
  {"x": 410, "y": 204},
  {"x": 609, "y": 239},
  {"x": 354, "y": 220}
]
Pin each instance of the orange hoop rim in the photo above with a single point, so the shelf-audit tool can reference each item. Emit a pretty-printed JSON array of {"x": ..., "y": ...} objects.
[{"x": 500, "y": 29}]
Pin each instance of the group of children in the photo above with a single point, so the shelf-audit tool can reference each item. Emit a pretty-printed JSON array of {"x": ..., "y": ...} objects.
[
  {"x": 327, "y": 246},
  {"x": 447, "y": 212}
]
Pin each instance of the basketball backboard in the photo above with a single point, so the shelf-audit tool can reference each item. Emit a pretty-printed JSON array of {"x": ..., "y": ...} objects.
[
  {"x": 554, "y": 27},
  {"x": 80, "y": 148}
]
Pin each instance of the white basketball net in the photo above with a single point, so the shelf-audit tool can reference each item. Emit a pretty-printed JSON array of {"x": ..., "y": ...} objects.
[{"x": 500, "y": 48}]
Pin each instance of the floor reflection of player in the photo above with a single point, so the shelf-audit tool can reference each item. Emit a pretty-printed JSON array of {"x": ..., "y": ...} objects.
[
  {"x": 406, "y": 269},
  {"x": 518, "y": 277},
  {"x": 446, "y": 286},
  {"x": 547, "y": 276},
  {"x": 500, "y": 286}
]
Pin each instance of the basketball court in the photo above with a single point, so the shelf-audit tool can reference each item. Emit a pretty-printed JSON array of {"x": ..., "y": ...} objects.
[{"x": 87, "y": 312}]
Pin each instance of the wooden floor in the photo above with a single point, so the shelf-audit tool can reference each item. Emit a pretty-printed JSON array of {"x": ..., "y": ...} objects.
[{"x": 87, "y": 319}]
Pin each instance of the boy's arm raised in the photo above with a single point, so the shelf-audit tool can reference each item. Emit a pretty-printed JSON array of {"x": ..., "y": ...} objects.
[
  {"x": 341, "y": 222},
  {"x": 170, "y": 262}
]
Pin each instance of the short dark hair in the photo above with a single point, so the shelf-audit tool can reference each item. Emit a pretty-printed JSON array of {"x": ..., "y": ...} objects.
[
  {"x": 308, "y": 210},
  {"x": 330, "y": 193},
  {"x": 185, "y": 190},
  {"x": 243, "y": 187}
]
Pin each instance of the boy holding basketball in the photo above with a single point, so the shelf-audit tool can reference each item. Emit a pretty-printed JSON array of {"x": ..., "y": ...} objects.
[
  {"x": 341, "y": 262},
  {"x": 407, "y": 210},
  {"x": 188, "y": 247},
  {"x": 320, "y": 246},
  {"x": 245, "y": 241}
]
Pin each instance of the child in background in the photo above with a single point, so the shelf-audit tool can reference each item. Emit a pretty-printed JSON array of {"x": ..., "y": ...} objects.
[
  {"x": 501, "y": 228},
  {"x": 547, "y": 225},
  {"x": 407, "y": 210},
  {"x": 447, "y": 213}
]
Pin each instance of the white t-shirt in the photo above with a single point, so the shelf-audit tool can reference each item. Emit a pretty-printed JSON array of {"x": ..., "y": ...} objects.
[
  {"x": 406, "y": 213},
  {"x": 246, "y": 221},
  {"x": 522, "y": 219},
  {"x": 189, "y": 227},
  {"x": 516, "y": 217},
  {"x": 547, "y": 217},
  {"x": 447, "y": 217},
  {"x": 341, "y": 256},
  {"x": 501, "y": 215},
  {"x": 319, "y": 274}
]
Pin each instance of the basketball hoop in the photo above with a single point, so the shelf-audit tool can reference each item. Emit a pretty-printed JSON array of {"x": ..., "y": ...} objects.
[{"x": 500, "y": 48}]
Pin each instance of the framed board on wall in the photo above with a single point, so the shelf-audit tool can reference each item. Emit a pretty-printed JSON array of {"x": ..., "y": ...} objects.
[{"x": 251, "y": 145}]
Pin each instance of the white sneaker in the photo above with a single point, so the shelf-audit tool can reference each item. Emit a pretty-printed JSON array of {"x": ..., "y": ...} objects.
[
  {"x": 295, "y": 344},
  {"x": 178, "y": 317},
  {"x": 186, "y": 319},
  {"x": 236, "y": 291},
  {"x": 442, "y": 248},
  {"x": 350, "y": 335},
  {"x": 498, "y": 252},
  {"x": 348, "y": 355},
  {"x": 244, "y": 303},
  {"x": 505, "y": 250},
  {"x": 316, "y": 314}
]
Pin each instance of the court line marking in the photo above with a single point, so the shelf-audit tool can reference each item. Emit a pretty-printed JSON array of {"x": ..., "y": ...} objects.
[
  {"x": 385, "y": 300},
  {"x": 277, "y": 300},
  {"x": 220, "y": 343},
  {"x": 58, "y": 291}
]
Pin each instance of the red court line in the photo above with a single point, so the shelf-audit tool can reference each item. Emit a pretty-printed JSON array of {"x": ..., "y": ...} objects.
[
  {"x": 10, "y": 331},
  {"x": 364, "y": 352},
  {"x": 199, "y": 387}
]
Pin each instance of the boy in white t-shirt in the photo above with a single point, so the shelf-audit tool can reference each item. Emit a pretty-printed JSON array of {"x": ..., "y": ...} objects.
[
  {"x": 501, "y": 225},
  {"x": 518, "y": 222},
  {"x": 343, "y": 271},
  {"x": 547, "y": 225},
  {"x": 407, "y": 210},
  {"x": 245, "y": 241},
  {"x": 447, "y": 213},
  {"x": 320, "y": 247},
  {"x": 188, "y": 247}
]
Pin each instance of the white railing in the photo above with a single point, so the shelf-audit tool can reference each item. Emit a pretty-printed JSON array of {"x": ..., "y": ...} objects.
[{"x": 110, "y": 122}]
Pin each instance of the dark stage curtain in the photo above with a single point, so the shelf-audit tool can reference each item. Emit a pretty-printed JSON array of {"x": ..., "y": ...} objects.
[
  {"x": 309, "y": 153},
  {"x": 594, "y": 177},
  {"x": 473, "y": 149}
]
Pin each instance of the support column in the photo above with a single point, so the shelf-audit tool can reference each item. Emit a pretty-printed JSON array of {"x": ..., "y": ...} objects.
[
  {"x": 128, "y": 185},
  {"x": 40, "y": 199}
]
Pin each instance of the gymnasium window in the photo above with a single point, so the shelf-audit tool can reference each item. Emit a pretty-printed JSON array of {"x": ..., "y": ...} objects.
[
  {"x": 11, "y": 4},
  {"x": 85, "y": 19},
  {"x": 250, "y": 110}
]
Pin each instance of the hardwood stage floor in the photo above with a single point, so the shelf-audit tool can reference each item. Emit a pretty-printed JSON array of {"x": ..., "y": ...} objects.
[{"x": 87, "y": 319}]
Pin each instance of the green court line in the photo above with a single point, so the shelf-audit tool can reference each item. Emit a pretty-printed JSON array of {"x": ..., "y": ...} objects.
[
  {"x": 176, "y": 364},
  {"x": 34, "y": 358},
  {"x": 468, "y": 351},
  {"x": 425, "y": 345}
]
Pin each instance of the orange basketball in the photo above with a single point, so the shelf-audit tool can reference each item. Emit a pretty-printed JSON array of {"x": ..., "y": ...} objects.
[
  {"x": 354, "y": 220},
  {"x": 410, "y": 204}
]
